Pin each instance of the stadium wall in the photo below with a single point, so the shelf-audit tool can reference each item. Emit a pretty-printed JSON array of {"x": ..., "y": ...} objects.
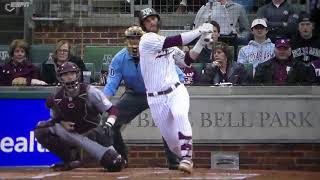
[{"x": 91, "y": 35}]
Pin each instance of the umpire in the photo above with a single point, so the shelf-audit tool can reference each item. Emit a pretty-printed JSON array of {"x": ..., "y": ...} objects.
[{"x": 125, "y": 66}]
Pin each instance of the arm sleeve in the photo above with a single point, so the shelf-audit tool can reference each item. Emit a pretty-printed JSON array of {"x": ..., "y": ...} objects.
[
  {"x": 152, "y": 42},
  {"x": 97, "y": 99},
  {"x": 114, "y": 77},
  {"x": 242, "y": 57}
]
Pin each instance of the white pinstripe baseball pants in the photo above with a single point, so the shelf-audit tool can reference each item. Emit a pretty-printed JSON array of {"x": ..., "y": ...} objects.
[{"x": 170, "y": 114}]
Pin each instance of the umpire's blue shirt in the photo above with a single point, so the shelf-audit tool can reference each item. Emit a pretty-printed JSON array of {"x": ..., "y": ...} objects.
[{"x": 123, "y": 67}]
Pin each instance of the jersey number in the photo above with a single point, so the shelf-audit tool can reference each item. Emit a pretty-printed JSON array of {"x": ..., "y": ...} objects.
[{"x": 111, "y": 72}]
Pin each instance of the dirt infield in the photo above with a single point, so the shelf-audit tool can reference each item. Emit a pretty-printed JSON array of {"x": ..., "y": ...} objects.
[{"x": 154, "y": 173}]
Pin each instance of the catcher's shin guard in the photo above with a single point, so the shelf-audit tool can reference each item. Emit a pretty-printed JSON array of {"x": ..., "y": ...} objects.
[{"x": 112, "y": 161}]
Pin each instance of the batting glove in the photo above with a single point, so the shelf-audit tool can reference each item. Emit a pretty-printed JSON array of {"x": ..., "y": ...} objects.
[
  {"x": 205, "y": 28},
  {"x": 204, "y": 40}
]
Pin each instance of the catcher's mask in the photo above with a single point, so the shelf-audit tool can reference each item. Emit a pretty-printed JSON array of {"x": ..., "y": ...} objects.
[
  {"x": 133, "y": 35},
  {"x": 67, "y": 67}
]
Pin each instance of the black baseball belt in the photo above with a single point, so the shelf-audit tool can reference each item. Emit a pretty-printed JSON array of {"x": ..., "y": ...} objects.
[{"x": 167, "y": 91}]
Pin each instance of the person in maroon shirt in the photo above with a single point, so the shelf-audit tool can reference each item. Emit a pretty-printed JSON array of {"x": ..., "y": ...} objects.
[
  {"x": 19, "y": 71},
  {"x": 283, "y": 69}
]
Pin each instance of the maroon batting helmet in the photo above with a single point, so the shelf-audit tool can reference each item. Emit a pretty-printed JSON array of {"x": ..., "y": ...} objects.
[{"x": 145, "y": 13}]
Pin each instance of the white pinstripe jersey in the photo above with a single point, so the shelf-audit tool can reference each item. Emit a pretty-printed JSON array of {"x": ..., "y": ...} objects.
[{"x": 157, "y": 65}]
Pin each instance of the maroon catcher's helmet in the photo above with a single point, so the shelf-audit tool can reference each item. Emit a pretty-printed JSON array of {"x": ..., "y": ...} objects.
[{"x": 65, "y": 68}]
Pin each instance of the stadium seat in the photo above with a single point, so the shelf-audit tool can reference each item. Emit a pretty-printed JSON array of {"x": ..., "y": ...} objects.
[
  {"x": 37, "y": 64},
  {"x": 90, "y": 67},
  {"x": 99, "y": 55},
  {"x": 198, "y": 67},
  {"x": 94, "y": 74},
  {"x": 4, "y": 53},
  {"x": 40, "y": 53}
]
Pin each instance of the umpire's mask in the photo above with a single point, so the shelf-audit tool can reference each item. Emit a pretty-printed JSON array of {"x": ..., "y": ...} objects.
[{"x": 133, "y": 35}]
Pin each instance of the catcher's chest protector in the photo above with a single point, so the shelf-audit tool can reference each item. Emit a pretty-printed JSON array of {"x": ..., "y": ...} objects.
[{"x": 74, "y": 109}]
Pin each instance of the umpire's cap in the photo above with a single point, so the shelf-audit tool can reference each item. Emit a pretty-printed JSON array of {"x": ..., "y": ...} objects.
[{"x": 145, "y": 13}]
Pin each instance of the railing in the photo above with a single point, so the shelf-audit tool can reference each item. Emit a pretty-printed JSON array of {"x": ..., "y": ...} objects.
[{"x": 109, "y": 12}]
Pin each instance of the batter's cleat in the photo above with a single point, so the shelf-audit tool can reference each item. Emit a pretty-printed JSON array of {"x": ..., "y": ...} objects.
[
  {"x": 66, "y": 166},
  {"x": 186, "y": 165}
]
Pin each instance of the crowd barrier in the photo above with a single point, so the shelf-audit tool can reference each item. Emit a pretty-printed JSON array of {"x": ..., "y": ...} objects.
[{"x": 243, "y": 114}]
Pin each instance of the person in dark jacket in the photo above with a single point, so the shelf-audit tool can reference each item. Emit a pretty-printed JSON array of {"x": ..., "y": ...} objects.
[
  {"x": 223, "y": 70},
  {"x": 61, "y": 55},
  {"x": 19, "y": 71},
  {"x": 281, "y": 17},
  {"x": 283, "y": 69},
  {"x": 305, "y": 44}
]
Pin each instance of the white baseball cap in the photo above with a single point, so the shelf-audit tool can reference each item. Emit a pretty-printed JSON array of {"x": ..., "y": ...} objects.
[{"x": 259, "y": 21}]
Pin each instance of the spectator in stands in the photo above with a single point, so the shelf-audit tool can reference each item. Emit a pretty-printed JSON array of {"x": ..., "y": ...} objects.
[
  {"x": 281, "y": 17},
  {"x": 19, "y": 71},
  {"x": 305, "y": 44},
  {"x": 205, "y": 55},
  {"x": 183, "y": 8},
  {"x": 260, "y": 49},
  {"x": 283, "y": 69},
  {"x": 231, "y": 16},
  {"x": 223, "y": 70},
  {"x": 61, "y": 55}
]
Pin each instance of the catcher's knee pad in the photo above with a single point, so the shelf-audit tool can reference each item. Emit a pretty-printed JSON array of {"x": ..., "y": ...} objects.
[{"x": 112, "y": 161}]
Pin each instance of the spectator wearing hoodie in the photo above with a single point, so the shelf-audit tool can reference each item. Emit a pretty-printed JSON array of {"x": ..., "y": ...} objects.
[
  {"x": 258, "y": 50},
  {"x": 306, "y": 44}
]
